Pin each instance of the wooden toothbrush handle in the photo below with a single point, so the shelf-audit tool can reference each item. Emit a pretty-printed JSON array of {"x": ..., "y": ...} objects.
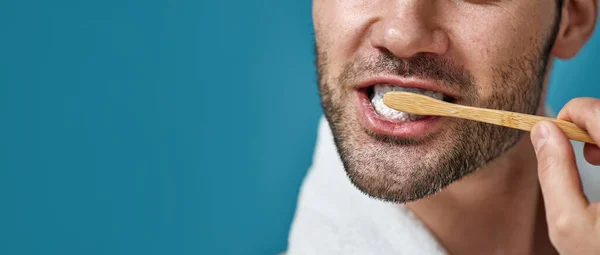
[{"x": 520, "y": 121}]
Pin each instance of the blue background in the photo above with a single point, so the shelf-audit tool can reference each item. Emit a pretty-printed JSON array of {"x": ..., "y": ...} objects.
[{"x": 164, "y": 127}]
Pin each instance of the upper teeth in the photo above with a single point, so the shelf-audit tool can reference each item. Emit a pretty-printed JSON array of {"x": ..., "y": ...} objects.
[{"x": 391, "y": 114}]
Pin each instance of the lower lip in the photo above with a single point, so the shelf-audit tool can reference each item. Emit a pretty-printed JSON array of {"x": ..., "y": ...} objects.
[{"x": 374, "y": 122}]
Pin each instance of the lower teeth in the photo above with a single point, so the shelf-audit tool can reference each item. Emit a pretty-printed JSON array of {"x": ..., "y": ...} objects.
[{"x": 391, "y": 114}]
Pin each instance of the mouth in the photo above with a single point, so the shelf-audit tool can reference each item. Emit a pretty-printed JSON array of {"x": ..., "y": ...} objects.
[
  {"x": 381, "y": 119},
  {"x": 375, "y": 94}
]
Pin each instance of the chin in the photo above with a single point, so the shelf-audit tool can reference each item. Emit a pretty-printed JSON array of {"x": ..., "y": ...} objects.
[{"x": 396, "y": 170}]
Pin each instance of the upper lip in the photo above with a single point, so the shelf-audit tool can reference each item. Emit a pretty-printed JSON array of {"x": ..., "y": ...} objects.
[{"x": 409, "y": 83}]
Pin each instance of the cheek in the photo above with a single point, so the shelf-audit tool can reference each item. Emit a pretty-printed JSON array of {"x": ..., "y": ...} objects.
[{"x": 485, "y": 38}]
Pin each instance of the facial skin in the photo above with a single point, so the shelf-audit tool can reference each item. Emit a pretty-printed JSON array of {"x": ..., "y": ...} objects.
[{"x": 491, "y": 54}]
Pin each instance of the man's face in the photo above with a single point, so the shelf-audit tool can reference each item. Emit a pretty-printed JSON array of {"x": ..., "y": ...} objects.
[{"x": 483, "y": 53}]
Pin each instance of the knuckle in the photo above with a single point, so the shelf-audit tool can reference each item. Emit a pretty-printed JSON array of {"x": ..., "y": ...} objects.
[
  {"x": 580, "y": 106},
  {"x": 594, "y": 108},
  {"x": 562, "y": 227},
  {"x": 573, "y": 103},
  {"x": 594, "y": 103},
  {"x": 588, "y": 123}
]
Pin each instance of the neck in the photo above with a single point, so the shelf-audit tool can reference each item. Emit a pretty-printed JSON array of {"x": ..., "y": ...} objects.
[{"x": 496, "y": 210}]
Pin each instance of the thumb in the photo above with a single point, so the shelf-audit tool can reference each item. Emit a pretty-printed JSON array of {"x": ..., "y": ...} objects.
[{"x": 557, "y": 170}]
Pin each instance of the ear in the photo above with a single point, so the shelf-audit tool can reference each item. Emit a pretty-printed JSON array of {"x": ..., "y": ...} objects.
[{"x": 576, "y": 27}]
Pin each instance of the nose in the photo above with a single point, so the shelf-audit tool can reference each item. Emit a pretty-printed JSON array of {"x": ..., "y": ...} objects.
[{"x": 408, "y": 30}]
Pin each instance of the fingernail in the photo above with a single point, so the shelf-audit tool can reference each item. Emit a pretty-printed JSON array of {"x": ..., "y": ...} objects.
[{"x": 542, "y": 136}]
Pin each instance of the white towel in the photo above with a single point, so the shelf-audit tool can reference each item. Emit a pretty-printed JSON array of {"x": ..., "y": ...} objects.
[{"x": 333, "y": 217}]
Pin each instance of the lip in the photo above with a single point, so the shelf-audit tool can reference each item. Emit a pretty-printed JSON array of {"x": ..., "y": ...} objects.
[
  {"x": 374, "y": 122},
  {"x": 408, "y": 83},
  {"x": 417, "y": 129}
]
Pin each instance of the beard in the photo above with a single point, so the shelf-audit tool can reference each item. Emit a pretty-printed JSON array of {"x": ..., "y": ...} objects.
[{"x": 405, "y": 169}]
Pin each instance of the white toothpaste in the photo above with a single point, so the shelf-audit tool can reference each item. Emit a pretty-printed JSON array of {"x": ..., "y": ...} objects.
[{"x": 391, "y": 114}]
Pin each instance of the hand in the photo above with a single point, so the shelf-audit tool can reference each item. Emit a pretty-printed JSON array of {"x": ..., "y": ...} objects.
[{"x": 573, "y": 222}]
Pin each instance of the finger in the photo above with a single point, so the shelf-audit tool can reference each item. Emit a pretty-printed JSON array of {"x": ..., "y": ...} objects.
[
  {"x": 585, "y": 113},
  {"x": 557, "y": 171},
  {"x": 591, "y": 152}
]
